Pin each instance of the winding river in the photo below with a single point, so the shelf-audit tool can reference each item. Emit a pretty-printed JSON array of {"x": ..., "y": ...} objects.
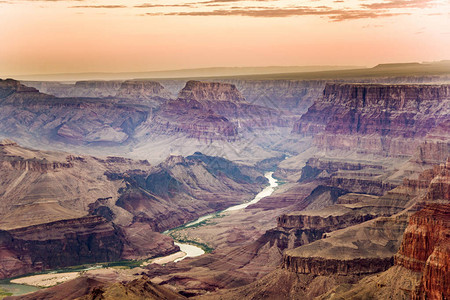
[
  {"x": 188, "y": 249},
  {"x": 193, "y": 251}
]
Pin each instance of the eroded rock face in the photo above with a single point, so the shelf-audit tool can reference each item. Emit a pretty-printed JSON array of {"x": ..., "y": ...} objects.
[
  {"x": 348, "y": 175},
  {"x": 92, "y": 88},
  {"x": 362, "y": 249},
  {"x": 35, "y": 165},
  {"x": 323, "y": 223},
  {"x": 294, "y": 97},
  {"x": 59, "y": 244},
  {"x": 425, "y": 248},
  {"x": 212, "y": 111},
  {"x": 210, "y": 91},
  {"x": 195, "y": 185},
  {"x": 28, "y": 114},
  {"x": 190, "y": 118},
  {"x": 379, "y": 119},
  {"x": 142, "y": 92},
  {"x": 322, "y": 266}
]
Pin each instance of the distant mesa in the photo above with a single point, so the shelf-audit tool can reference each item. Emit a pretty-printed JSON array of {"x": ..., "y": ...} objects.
[
  {"x": 397, "y": 65},
  {"x": 210, "y": 91}
]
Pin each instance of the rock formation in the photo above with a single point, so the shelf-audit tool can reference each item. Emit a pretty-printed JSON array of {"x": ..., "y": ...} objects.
[
  {"x": 426, "y": 249},
  {"x": 59, "y": 244},
  {"x": 198, "y": 178},
  {"x": 210, "y": 91},
  {"x": 30, "y": 115},
  {"x": 149, "y": 93},
  {"x": 380, "y": 119},
  {"x": 105, "y": 209},
  {"x": 212, "y": 111}
]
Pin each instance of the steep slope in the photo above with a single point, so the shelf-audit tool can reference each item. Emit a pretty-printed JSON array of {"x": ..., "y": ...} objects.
[
  {"x": 105, "y": 209},
  {"x": 29, "y": 115},
  {"x": 421, "y": 268},
  {"x": 149, "y": 93},
  {"x": 389, "y": 120},
  {"x": 331, "y": 253},
  {"x": 181, "y": 189},
  {"x": 211, "y": 111},
  {"x": 426, "y": 249}
]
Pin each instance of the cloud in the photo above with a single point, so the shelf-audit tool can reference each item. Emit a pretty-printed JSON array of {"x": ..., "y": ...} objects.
[
  {"x": 268, "y": 12},
  {"x": 98, "y": 6},
  {"x": 149, "y": 5},
  {"x": 231, "y": 1},
  {"x": 399, "y": 4}
]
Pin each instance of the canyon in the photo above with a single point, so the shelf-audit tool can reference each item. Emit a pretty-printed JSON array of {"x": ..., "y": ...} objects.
[
  {"x": 97, "y": 171},
  {"x": 60, "y": 210}
]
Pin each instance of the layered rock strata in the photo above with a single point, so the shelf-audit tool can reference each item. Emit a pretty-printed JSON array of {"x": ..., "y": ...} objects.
[
  {"x": 426, "y": 249},
  {"x": 212, "y": 111},
  {"x": 371, "y": 118},
  {"x": 28, "y": 114}
]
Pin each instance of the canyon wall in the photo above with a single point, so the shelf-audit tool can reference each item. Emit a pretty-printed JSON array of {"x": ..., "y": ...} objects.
[
  {"x": 30, "y": 115},
  {"x": 211, "y": 111},
  {"x": 59, "y": 244},
  {"x": 389, "y": 120},
  {"x": 426, "y": 249}
]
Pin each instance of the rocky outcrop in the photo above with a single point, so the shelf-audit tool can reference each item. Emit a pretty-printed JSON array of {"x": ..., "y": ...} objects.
[
  {"x": 323, "y": 267},
  {"x": 139, "y": 288},
  {"x": 27, "y": 114},
  {"x": 322, "y": 223},
  {"x": 432, "y": 152},
  {"x": 379, "y": 119},
  {"x": 90, "y": 239},
  {"x": 93, "y": 89},
  {"x": 292, "y": 97},
  {"x": 367, "y": 185},
  {"x": 210, "y": 91},
  {"x": 357, "y": 177},
  {"x": 189, "y": 118},
  {"x": 182, "y": 189},
  {"x": 10, "y": 86},
  {"x": 59, "y": 244},
  {"x": 35, "y": 165},
  {"x": 211, "y": 111},
  {"x": 142, "y": 92},
  {"x": 425, "y": 248},
  {"x": 365, "y": 248},
  {"x": 439, "y": 188}
]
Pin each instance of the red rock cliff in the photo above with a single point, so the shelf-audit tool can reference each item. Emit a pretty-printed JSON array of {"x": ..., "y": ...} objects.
[{"x": 426, "y": 248}]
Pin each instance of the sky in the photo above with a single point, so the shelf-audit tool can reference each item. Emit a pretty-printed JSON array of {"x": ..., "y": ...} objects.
[{"x": 71, "y": 36}]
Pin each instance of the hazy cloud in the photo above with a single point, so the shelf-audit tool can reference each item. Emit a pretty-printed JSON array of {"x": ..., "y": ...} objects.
[
  {"x": 149, "y": 5},
  {"x": 230, "y": 1},
  {"x": 98, "y": 6},
  {"x": 399, "y": 4},
  {"x": 333, "y": 14}
]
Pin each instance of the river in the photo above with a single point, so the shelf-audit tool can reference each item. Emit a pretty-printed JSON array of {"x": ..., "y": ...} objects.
[
  {"x": 188, "y": 249},
  {"x": 193, "y": 251}
]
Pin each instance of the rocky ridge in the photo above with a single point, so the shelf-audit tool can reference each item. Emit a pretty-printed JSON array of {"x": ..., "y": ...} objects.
[
  {"x": 105, "y": 209},
  {"x": 379, "y": 119}
]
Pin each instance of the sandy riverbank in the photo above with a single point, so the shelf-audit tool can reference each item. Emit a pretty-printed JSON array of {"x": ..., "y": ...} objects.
[
  {"x": 165, "y": 259},
  {"x": 46, "y": 280}
]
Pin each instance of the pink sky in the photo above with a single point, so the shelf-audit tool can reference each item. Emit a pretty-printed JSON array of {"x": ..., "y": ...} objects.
[{"x": 139, "y": 35}]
